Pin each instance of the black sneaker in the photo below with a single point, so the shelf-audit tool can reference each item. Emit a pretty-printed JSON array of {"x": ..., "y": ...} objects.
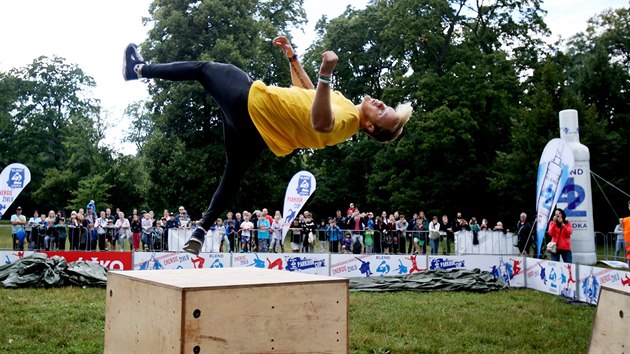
[
  {"x": 193, "y": 245},
  {"x": 130, "y": 60}
]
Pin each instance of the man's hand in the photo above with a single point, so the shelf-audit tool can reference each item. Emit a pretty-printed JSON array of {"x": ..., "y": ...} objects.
[
  {"x": 283, "y": 43},
  {"x": 329, "y": 61}
]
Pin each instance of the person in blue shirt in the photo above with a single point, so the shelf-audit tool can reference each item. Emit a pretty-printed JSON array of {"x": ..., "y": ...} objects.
[
  {"x": 334, "y": 234},
  {"x": 263, "y": 235}
]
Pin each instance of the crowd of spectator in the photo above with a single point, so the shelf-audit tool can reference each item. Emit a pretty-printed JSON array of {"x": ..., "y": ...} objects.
[{"x": 351, "y": 231}]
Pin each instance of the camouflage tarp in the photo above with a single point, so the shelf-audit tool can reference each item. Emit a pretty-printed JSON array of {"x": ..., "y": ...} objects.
[
  {"x": 432, "y": 280},
  {"x": 37, "y": 270}
]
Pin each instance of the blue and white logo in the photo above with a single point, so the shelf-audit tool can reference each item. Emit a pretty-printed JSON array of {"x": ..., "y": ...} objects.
[
  {"x": 16, "y": 178},
  {"x": 304, "y": 186}
]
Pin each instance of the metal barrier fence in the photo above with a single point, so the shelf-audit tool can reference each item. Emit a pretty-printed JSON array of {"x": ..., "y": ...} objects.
[
  {"x": 610, "y": 246},
  {"x": 66, "y": 238}
]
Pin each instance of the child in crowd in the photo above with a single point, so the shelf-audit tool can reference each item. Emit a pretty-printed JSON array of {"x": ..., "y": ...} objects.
[
  {"x": 276, "y": 238},
  {"x": 62, "y": 234},
  {"x": 347, "y": 243},
  {"x": 333, "y": 233},
  {"x": 296, "y": 235},
  {"x": 215, "y": 235},
  {"x": 246, "y": 232},
  {"x": 321, "y": 236},
  {"x": 368, "y": 241}
]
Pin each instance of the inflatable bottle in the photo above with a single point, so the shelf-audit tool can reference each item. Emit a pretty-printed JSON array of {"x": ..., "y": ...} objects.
[{"x": 576, "y": 197}]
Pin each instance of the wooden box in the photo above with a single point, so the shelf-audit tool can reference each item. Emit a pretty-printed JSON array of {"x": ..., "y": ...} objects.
[
  {"x": 228, "y": 310},
  {"x": 611, "y": 326}
]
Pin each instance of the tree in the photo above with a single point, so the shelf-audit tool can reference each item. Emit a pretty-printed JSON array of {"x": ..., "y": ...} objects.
[
  {"x": 55, "y": 127},
  {"x": 184, "y": 153},
  {"x": 450, "y": 60}
]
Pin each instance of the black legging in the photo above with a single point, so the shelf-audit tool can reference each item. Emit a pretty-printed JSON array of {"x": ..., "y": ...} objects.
[{"x": 229, "y": 86}]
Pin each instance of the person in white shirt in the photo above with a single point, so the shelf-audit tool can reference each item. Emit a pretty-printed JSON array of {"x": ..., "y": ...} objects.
[
  {"x": 276, "y": 237},
  {"x": 99, "y": 225},
  {"x": 434, "y": 235},
  {"x": 246, "y": 232},
  {"x": 619, "y": 245}
]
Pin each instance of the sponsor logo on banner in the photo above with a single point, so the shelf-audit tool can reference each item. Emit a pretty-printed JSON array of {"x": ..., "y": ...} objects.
[
  {"x": 306, "y": 263},
  {"x": 350, "y": 266},
  {"x": 553, "y": 170},
  {"x": 552, "y": 277},
  {"x": 172, "y": 260},
  {"x": 300, "y": 188},
  {"x": 446, "y": 263},
  {"x": 109, "y": 260},
  {"x": 13, "y": 179},
  {"x": 9, "y": 257},
  {"x": 593, "y": 278}
]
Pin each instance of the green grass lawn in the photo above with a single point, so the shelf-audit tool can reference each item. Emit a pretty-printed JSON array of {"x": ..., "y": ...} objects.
[{"x": 71, "y": 320}]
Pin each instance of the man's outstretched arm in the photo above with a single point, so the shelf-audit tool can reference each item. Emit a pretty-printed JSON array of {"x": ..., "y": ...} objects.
[
  {"x": 322, "y": 118},
  {"x": 298, "y": 75}
]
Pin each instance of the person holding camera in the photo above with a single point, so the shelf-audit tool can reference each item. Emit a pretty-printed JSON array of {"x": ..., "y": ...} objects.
[{"x": 560, "y": 231}]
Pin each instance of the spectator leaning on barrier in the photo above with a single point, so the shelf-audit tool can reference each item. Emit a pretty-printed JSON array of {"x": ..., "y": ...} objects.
[
  {"x": 334, "y": 234},
  {"x": 347, "y": 243},
  {"x": 356, "y": 223},
  {"x": 368, "y": 240},
  {"x": 61, "y": 233},
  {"x": 424, "y": 231},
  {"x": 246, "y": 232},
  {"x": 401, "y": 228},
  {"x": 32, "y": 229},
  {"x": 619, "y": 242},
  {"x": 474, "y": 227},
  {"x": 101, "y": 230},
  {"x": 523, "y": 232},
  {"x": 263, "y": 233},
  {"x": 276, "y": 238},
  {"x": 18, "y": 235},
  {"x": 380, "y": 230},
  {"x": 391, "y": 237},
  {"x": 309, "y": 233},
  {"x": 418, "y": 237},
  {"x": 321, "y": 236},
  {"x": 296, "y": 235},
  {"x": 434, "y": 234}
]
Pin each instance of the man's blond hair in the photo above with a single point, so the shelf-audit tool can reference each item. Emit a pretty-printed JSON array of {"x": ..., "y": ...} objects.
[{"x": 402, "y": 112}]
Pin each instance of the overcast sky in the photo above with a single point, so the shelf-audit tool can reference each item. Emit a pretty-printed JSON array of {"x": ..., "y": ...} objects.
[{"x": 94, "y": 33}]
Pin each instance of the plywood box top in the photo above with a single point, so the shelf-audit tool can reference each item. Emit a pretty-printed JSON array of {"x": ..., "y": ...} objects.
[{"x": 211, "y": 278}]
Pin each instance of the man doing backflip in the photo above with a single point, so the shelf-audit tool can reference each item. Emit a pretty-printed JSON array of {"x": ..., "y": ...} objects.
[{"x": 283, "y": 119}]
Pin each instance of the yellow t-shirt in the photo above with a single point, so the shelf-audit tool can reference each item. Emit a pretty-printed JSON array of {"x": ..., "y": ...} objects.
[{"x": 283, "y": 118}]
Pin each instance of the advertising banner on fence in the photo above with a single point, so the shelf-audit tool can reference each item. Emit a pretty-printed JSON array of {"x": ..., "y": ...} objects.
[
  {"x": 552, "y": 277},
  {"x": 311, "y": 263},
  {"x": 13, "y": 179},
  {"x": 109, "y": 260},
  {"x": 373, "y": 265},
  {"x": 592, "y": 279},
  {"x": 490, "y": 242},
  {"x": 9, "y": 257},
  {"x": 509, "y": 268},
  {"x": 300, "y": 188},
  {"x": 553, "y": 170},
  {"x": 173, "y": 260}
]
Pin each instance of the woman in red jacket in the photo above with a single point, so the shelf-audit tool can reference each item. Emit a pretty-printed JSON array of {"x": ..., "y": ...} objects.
[{"x": 560, "y": 231}]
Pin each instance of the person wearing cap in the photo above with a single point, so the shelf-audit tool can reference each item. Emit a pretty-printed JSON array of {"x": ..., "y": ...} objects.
[
  {"x": 18, "y": 221},
  {"x": 171, "y": 223}
]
